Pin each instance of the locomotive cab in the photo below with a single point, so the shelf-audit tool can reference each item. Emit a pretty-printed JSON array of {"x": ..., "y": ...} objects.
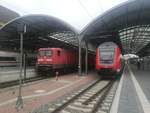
[
  {"x": 44, "y": 59},
  {"x": 44, "y": 56},
  {"x": 108, "y": 59}
]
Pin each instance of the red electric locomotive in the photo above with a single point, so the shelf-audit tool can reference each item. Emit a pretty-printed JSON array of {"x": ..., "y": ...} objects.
[
  {"x": 59, "y": 59},
  {"x": 54, "y": 59},
  {"x": 108, "y": 59}
]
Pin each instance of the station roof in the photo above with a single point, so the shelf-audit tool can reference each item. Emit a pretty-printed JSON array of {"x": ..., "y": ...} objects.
[
  {"x": 6, "y": 15},
  {"x": 126, "y": 24},
  {"x": 42, "y": 31}
]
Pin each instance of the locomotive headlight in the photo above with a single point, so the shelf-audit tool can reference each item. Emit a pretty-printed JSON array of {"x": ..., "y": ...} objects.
[
  {"x": 40, "y": 60},
  {"x": 118, "y": 70},
  {"x": 49, "y": 60}
]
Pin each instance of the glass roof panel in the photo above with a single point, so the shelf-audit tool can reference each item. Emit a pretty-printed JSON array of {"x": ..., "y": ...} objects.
[
  {"x": 67, "y": 37},
  {"x": 134, "y": 38}
]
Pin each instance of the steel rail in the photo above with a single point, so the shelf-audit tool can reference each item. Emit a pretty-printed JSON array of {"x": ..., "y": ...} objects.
[
  {"x": 96, "y": 94},
  {"x": 75, "y": 97},
  {"x": 16, "y": 82},
  {"x": 104, "y": 94}
]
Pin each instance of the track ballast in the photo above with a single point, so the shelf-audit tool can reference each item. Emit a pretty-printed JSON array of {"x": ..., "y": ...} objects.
[{"x": 96, "y": 98}]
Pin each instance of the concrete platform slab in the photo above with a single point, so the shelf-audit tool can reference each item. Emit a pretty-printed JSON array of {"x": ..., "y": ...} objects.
[
  {"x": 143, "y": 78},
  {"x": 128, "y": 100},
  {"x": 49, "y": 91}
]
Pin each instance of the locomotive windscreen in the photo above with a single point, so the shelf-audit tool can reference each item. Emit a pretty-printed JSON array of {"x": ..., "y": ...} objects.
[
  {"x": 106, "y": 56},
  {"x": 45, "y": 53}
]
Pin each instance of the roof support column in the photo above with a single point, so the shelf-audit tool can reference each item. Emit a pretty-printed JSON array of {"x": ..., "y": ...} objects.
[
  {"x": 19, "y": 103},
  {"x": 80, "y": 55},
  {"x": 21, "y": 30},
  {"x": 86, "y": 58}
]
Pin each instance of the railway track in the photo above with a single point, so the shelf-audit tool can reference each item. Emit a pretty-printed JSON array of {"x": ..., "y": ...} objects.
[
  {"x": 16, "y": 82},
  {"x": 96, "y": 98}
]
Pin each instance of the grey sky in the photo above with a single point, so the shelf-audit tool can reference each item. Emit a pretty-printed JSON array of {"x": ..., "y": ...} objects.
[{"x": 76, "y": 12}]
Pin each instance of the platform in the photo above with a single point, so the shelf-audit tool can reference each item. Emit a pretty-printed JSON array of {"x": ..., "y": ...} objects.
[
  {"x": 143, "y": 78},
  {"x": 38, "y": 93},
  {"x": 5, "y": 73},
  {"x": 133, "y": 92}
]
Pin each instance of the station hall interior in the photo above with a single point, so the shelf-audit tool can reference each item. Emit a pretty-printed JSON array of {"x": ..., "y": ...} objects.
[{"x": 126, "y": 25}]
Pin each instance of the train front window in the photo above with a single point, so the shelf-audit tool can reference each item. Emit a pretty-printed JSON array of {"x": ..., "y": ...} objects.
[
  {"x": 45, "y": 53},
  {"x": 107, "y": 56}
]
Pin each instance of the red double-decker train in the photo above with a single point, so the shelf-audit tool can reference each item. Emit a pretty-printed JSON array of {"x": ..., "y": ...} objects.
[
  {"x": 108, "y": 61},
  {"x": 58, "y": 59}
]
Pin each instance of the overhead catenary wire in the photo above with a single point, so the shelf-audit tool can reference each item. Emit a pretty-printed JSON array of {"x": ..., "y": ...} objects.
[
  {"x": 99, "y": 1},
  {"x": 82, "y": 5}
]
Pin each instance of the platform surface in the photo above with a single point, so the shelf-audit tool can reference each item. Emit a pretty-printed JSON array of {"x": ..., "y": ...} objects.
[
  {"x": 133, "y": 93},
  {"x": 143, "y": 78},
  {"x": 129, "y": 101},
  {"x": 42, "y": 92}
]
